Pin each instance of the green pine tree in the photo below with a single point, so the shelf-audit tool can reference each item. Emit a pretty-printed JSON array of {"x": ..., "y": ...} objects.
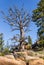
[
  {"x": 38, "y": 18},
  {"x": 1, "y": 42},
  {"x": 29, "y": 40}
]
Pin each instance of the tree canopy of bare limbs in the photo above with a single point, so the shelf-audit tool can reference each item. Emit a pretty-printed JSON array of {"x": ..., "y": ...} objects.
[{"x": 18, "y": 19}]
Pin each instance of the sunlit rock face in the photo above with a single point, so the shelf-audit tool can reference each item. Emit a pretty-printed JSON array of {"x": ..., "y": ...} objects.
[
  {"x": 28, "y": 60},
  {"x": 7, "y": 61},
  {"x": 12, "y": 61}
]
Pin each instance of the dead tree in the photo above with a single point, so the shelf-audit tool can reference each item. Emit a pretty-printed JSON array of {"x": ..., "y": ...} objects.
[{"x": 18, "y": 19}]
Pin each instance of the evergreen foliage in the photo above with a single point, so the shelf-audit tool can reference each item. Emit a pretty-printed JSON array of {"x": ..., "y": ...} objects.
[{"x": 38, "y": 18}]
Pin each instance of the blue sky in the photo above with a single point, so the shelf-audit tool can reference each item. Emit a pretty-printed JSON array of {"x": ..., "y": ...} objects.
[{"x": 29, "y": 5}]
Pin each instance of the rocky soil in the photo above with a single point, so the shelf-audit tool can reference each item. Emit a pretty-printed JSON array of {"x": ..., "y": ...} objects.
[{"x": 22, "y": 58}]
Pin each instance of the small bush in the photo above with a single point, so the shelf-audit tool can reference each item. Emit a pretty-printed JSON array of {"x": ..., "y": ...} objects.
[
  {"x": 2, "y": 54},
  {"x": 6, "y": 51},
  {"x": 28, "y": 47}
]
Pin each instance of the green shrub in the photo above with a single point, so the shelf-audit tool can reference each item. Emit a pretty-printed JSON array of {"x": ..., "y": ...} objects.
[
  {"x": 6, "y": 51},
  {"x": 2, "y": 54},
  {"x": 28, "y": 47}
]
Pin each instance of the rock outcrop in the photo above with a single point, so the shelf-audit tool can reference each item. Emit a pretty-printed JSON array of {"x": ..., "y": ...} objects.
[
  {"x": 7, "y": 61},
  {"x": 23, "y": 58}
]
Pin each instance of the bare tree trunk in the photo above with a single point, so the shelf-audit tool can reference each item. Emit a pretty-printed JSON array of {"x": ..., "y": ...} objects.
[
  {"x": 21, "y": 34},
  {"x": 21, "y": 30}
]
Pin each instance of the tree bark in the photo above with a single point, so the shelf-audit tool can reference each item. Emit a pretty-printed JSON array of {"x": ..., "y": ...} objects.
[{"x": 21, "y": 34}]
